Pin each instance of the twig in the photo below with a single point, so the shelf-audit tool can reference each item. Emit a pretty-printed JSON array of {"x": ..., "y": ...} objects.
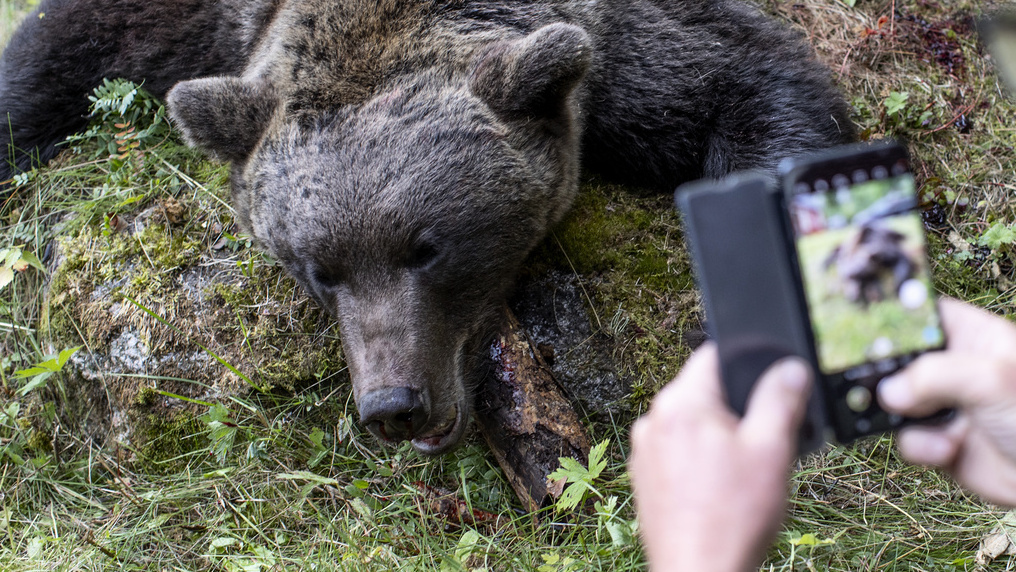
[
  {"x": 89, "y": 540},
  {"x": 955, "y": 118},
  {"x": 124, "y": 487}
]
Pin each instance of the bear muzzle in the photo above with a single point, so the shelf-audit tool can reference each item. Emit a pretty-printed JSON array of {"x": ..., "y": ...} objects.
[{"x": 396, "y": 414}]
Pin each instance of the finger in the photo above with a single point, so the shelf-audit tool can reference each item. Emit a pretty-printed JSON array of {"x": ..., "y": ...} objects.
[
  {"x": 928, "y": 446},
  {"x": 641, "y": 433},
  {"x": 777, "y": 404},
  {"x": 969, "y": 328},
  {"x": 946, "y": 379},
  {"x": 696, "y": 386}
]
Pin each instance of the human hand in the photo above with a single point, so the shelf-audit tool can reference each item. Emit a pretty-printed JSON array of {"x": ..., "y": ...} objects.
[
  {"x": 976, "y": 375},
  {"x": 711, "y": 488}
]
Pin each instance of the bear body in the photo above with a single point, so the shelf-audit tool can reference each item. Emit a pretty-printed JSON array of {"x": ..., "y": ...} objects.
[{"x": 401, "y": 158}]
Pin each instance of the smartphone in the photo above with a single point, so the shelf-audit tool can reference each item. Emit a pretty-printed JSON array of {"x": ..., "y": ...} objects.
[
  {"x": 860, "y": 251},
  {"x": 826, "y": 263}
]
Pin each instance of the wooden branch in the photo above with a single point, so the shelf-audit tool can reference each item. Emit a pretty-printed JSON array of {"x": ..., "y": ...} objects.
[{"x": 525, "y": 417}]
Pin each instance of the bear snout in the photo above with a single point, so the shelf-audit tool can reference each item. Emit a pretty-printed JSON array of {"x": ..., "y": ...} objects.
[{"x": 394, "y": 414}]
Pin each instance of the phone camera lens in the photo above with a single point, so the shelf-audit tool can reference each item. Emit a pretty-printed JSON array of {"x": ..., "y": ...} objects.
[{"x": 859, "y": 399}]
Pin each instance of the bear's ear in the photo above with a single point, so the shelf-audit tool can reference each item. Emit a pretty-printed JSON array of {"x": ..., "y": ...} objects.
[
  {"x": 224, "y": 115},
  {"x": 533, "y": 76}
]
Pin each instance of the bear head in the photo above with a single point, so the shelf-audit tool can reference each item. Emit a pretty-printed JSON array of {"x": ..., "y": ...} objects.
[{"x": 407, "y": 215}]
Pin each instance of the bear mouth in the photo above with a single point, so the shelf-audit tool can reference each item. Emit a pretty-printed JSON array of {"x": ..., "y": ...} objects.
[{"x": 444, "y": 436}]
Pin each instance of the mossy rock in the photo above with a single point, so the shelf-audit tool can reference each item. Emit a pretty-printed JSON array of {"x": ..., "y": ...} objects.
[{"x": 171, "y": 316}]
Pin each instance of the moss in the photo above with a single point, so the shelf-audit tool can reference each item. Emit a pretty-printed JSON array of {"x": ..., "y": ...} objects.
[
  {"x": 146, "y": 396},
  {"x": 305, "y": 364},
  {"x": 627, "y": 248},
  {"x": 165, "y": 440},
  {"x": 39, "y": 442},
  {"x": 618, "y": 230}
]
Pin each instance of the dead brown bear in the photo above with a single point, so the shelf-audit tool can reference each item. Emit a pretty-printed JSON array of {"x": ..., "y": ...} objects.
[{"x": 401, "y": 157}]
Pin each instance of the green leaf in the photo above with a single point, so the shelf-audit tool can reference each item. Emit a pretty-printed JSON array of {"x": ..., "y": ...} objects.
[
  {"x": 35, "y": 547},
  {"x": 223, "y": 542},
  {"x": 6, "y": 276},
  {"x": 570, "y": 469},
  {"x": 896, "y": 102},
  {"x": 32, "y": 371},
  {"x": 596, "y": 461},
  {"x": 65, "y": 355},
  {"x": 467, "y": 544},
  {"x": 12, "y": 255},
  {"x": 620, "y": 533},
  {"x": 572, "y": 496},
  {"x": 317, "y": 437},
  {"x": 10, "y": 414},
  {"x": 221, "y": 430},
  {"x": 580, "y": 478},
  {"x": 36, "y": 382},
  {"x": 997, "y": 235},
  {"x": 810, "y": 539},
  {"x": 32, "y": 261}
]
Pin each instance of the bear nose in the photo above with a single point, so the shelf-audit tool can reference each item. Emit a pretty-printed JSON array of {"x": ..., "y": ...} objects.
[{"x": 393, "y": 413}]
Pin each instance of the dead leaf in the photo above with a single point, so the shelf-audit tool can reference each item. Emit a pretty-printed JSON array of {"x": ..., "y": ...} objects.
[
  {"x": 555, "y": 487},
  {"x": 958, "y": 241},
  {"x": 455, "y": 511},
  {"x": 176, "y": 212},
  {"x": 1001, "y": 540}
]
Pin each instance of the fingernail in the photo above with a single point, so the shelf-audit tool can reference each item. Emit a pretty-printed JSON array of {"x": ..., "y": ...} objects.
[
  {"x": 793, "y": 373},
  {"x": 893, "y": 393}
]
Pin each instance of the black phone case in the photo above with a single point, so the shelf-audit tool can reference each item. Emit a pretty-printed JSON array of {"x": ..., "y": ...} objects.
[{"x": 746, "y": 253}]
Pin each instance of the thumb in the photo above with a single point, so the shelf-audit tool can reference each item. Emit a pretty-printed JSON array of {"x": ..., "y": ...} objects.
[
  {"x": 777, "y": 404},
  {"x": 946, "y": 379}
]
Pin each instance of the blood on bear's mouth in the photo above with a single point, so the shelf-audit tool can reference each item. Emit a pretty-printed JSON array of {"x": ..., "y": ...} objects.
[{"x": 439, "y": 439}]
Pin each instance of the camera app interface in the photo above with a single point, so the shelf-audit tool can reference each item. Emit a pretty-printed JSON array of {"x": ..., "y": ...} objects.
[{"x": 860, "y": 243}]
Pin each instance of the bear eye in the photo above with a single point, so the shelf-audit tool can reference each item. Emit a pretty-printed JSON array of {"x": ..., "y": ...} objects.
[
  {"x": 326, "y": 278},
  {"x": 422, "y": 256}
]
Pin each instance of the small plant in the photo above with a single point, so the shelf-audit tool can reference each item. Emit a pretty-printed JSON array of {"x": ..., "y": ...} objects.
[
  {"x": 900, "y": 111},
  {"x": 222, "y": 431},
  {"x": 998, "y": 236},
  {"x": 14, "y": 260},
  {"x": 580, "y": 479},
  {"x": 896, "y": 103},
  {"x": 40, "y": 373},
  {"x": 127, "y": 118},
  {"x": 608, "y": 517}
]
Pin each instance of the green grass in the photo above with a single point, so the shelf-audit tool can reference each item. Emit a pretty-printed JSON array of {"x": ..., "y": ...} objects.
[{"x": 286, "y": 480}]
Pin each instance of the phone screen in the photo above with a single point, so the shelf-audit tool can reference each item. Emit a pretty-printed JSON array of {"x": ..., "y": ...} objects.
[{"x": 861, "y": 251}]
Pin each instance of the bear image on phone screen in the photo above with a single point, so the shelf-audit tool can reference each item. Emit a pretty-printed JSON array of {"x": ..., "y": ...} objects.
[{"x": 861, "y": 252}]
